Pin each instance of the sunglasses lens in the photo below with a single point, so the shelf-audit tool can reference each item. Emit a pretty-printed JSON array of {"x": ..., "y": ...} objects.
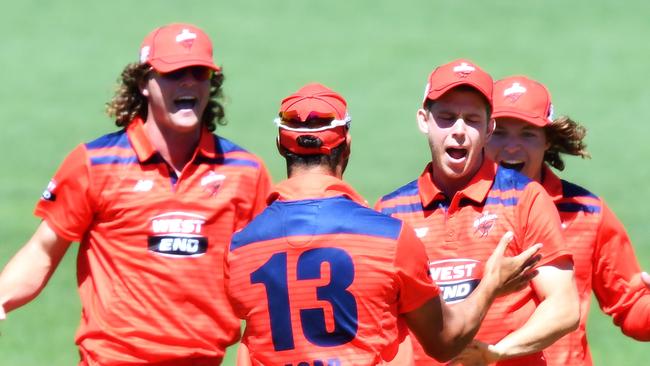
[{"x": 199, "y": 73}]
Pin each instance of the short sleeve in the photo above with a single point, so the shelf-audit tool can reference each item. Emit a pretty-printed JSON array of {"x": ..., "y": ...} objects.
[
  {"x": 65, "y": 203},
  {"x": 539, "y": 222},
  {"x": 412, "y": 266}
]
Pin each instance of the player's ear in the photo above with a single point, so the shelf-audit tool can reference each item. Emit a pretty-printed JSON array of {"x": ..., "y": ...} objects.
[
  {"x": 143, "y": 86},
  {"x": 491, "y": 125},
  {"x": 423, "y": 119},
  {"x": 281, "y": 149}
]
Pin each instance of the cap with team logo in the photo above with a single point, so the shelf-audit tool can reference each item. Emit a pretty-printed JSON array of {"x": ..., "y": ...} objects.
[
  {"x": 457, "y": 73},
  {"x": 523, "y": 98},
  {"x": 175, "y": 46},
  {"x": 311, "y": 102}
]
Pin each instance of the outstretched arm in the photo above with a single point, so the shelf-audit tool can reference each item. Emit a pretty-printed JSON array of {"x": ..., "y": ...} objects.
[
  {"x": 28, "y": 271},
  {"x": 445, "y": 330}
]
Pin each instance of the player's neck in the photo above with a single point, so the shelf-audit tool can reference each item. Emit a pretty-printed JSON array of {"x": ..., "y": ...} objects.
[
  {"x": 176, "y": 148},
  {"x": 298, "y": 170}
]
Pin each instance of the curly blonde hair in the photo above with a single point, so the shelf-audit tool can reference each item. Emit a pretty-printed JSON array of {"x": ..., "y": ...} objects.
[
  {"x": 128, "y": 102},
  {"x": 565, "y": 137}
]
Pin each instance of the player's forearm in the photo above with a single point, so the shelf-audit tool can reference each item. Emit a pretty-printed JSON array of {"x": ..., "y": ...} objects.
[
  {"x": 552, "y": 319},
  {"x": 27, "y": 272},
  {"x": 470, "y": 314}
]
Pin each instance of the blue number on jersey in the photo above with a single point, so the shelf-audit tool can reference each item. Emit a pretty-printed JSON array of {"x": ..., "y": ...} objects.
[{"x": 273, "y": 275}]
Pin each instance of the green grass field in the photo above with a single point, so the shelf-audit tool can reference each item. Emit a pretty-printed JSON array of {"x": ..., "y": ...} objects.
[{"x": 60, "y": 61}]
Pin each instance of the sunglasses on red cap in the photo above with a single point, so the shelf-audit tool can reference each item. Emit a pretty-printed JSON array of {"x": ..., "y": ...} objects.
[{"x": 199, "y": 73}]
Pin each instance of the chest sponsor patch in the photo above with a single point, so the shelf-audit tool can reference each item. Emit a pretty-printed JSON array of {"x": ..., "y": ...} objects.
[
  {"x": 457, "y": 278},
  {"x": 177, "y": 234}
]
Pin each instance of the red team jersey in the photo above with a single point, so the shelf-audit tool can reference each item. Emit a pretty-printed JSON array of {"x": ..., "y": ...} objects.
[
  {"x": 151, "y": 244},
  {"x": 321, "y": 279},
  {"x": 604, "y": 261},
  {"x": 460, "y": 233}
]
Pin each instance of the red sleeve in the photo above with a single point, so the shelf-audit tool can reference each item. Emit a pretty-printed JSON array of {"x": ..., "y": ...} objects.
[
  {"x": 616, "y": 279},
  {"x": 539, "y": 222},
  {"x": 66, "y": 204},
  {"x": 412, "y": 266}
]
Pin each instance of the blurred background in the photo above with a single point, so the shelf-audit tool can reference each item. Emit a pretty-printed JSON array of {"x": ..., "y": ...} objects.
[{"x": 60, "y": 62}]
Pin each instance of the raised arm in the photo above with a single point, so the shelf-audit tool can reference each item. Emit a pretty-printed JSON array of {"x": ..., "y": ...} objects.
[{"x": 28, "y": 271}]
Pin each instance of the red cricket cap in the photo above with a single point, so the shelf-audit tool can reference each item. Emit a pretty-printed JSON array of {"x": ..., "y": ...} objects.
[
  {"x": 175, "y": 46},
  {"x": 523, "y": 98},
  {"x": 310, "y": 102},
  {"x": 457, "y": 73}
]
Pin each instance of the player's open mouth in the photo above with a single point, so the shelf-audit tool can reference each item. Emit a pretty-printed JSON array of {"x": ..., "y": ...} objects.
[
  {"x": 512, "y": 164},
  {"x": 186, "y": 102},
  {"x": 456, "y": 153}
]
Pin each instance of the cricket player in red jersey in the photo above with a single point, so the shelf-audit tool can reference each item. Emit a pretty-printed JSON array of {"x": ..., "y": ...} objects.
[
  {"x": 321, "y": 279},
  {"x": 463, "y": 203},
  {"x": 153, "y": 206},
  {"x": 527, "y": 139}
]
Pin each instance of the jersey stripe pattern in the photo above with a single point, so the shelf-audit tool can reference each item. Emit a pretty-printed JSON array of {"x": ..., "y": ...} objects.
[
  {"x": 461, "y": 232},
  {"x": 604, "y": 262},
  {"x": 322, "y": 281},
  {"x": 150, "y": 271}
]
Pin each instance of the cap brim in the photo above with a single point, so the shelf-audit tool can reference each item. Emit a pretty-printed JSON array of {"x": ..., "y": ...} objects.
[
  {"x": 164, "y": 66},
  {"x": 513, "y": 113}
]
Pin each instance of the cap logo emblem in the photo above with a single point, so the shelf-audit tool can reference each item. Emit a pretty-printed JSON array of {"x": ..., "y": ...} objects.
[
  {"x": 186, "y": 38},
  {"x": 514, "y": 92},
  {"x": 464, "y": 69}
]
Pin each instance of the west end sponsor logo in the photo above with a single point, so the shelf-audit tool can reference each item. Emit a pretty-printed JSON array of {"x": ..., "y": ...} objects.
[
  {"x": 457, "y": 278},
  {"x": 178, "y": 234}
]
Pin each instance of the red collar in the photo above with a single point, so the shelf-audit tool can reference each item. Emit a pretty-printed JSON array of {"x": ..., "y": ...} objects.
[
  {"x": 145, "y": 150},
  {"x": 476, "y": 190},
  {"x": 313, "y": 185},
  {"x": 551, "y": 183}
]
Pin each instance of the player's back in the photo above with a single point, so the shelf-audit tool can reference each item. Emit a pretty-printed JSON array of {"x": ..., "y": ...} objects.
[{"x": 317, "y": 284}]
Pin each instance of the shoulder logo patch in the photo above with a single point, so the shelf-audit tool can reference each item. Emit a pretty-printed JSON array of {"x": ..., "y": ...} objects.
[{"x": 48, "y": 193}]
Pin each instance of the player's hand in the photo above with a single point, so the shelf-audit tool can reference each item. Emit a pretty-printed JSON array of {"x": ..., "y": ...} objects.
[
  {"x": 477, "y": 353},
  {"x": 511, "y": 274},
  {"x": 645, "y": 277}
]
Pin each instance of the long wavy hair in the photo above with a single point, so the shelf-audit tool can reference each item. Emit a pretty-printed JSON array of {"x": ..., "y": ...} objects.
[
  {"x": 128, "y": 102},
  {"x": 565, "y": 137}
]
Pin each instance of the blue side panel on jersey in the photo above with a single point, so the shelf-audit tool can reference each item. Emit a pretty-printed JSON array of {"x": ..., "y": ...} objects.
[
  {"x": 336, "y": 215},
  {"x": 226, "y": 146},
  {"x": 510, "y": 201},
  {"x": 115, "y": 139},
  {"x": 113, "y": 159},
  {"x": 406, "y": 208},
  {"x": 410, "y": 189},
  {"x": 573, "y": 190},
  {"x": 509, "y": 179},
  {"x": 577, "y": 207}
]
